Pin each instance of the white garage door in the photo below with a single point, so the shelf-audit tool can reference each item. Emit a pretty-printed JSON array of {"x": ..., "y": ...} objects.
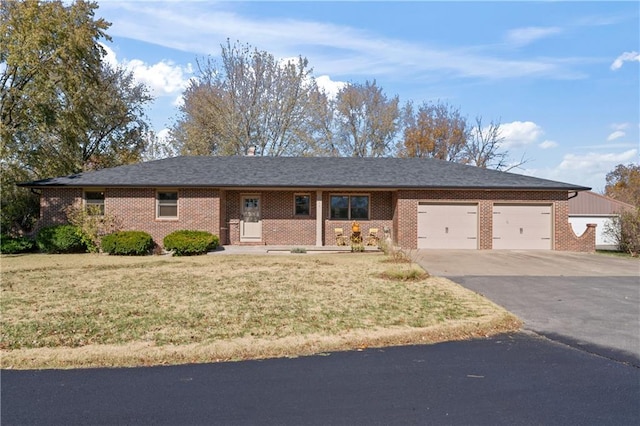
[
  {"x": 448, "y": 226},
  {"x": 522, "y": 226}
]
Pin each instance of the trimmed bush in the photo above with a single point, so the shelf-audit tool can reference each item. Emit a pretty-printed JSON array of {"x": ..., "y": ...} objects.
[
  {"x": 61, "y": 239},
  {"x": 187, "y": 243},
  {"x": 10, "y": 245},
  {"x": 127, "y": 243}
]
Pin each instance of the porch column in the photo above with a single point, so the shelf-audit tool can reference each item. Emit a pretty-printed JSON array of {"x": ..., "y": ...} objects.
[{"x": 319, "y": 219}]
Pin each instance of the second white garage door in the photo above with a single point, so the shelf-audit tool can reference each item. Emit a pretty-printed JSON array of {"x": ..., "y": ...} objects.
[
  {"x": 522, "y": 226},
  {"x": 448, "y": 226}
]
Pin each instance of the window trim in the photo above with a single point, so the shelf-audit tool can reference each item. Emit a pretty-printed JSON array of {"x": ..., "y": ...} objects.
[
  {"x": 349, "y": 205},
  {"x": 301, "y": 194},
  {"x": 88, "y": 203},
  {"x": 158, "y": 204}
]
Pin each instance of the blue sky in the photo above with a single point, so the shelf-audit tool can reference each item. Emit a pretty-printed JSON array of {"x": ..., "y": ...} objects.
[{"x": 562, "y": 78}]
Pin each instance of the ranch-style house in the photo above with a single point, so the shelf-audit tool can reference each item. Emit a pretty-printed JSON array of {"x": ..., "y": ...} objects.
[{"x": 302, "y": 201}]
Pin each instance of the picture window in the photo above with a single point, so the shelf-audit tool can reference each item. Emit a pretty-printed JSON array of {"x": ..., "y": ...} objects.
[{"x": 350, "y": 207}]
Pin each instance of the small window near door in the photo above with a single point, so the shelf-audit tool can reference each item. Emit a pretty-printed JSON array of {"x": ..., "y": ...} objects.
[
  {"x": 94, "y": 202},
  {"x": 167, "y": 205},
  {"x": 302, "y": 205}
]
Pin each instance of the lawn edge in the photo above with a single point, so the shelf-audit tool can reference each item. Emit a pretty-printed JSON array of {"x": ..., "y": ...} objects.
[{"x": 141, "y": 354}]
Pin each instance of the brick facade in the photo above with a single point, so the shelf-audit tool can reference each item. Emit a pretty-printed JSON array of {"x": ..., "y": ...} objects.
[
  {"x": 135, "y": 209},
  {"x": 564, "y": 238},
  {"x": 219, "y": 212}
]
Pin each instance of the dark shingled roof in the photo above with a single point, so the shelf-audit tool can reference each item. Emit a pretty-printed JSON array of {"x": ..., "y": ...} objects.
[{"x": 303, "y": 172}]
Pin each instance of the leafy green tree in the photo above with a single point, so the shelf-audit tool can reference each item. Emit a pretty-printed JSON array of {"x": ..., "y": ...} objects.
[{"x": 62, "y": 108}]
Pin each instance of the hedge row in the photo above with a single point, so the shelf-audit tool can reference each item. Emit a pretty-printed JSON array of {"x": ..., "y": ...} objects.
[
  {"x": 69, "y": 239},
  {"x": 11, "y": 245}
]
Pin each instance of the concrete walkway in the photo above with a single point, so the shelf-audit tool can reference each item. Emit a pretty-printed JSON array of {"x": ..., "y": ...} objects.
[{"x": 261, "y": 250}]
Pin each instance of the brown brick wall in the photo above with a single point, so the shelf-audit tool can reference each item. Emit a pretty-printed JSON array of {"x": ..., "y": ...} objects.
[
  {"x": 198, "y": 210},
  {"x": 135, "y": 209},
  {"x": 565, "y": 238},
  {"x": 280, "y": 226},
  {"x": 53, "y": 203}
]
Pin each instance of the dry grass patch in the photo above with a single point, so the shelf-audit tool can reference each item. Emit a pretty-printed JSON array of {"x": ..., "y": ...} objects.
[{"x": 95, "y": 310}]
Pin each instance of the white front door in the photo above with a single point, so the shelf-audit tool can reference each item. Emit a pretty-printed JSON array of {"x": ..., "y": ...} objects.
[{"x": 251, "y": 220}]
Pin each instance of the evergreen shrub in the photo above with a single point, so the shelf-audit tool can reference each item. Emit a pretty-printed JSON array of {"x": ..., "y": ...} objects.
[
  {"x": 61, "y": 239},
  {"x": 187, "y": 243},
  {"x": 127, "y": 243}
]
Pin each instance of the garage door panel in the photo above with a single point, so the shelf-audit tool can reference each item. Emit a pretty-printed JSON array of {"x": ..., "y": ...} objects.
[
  {"x": 448, "y": 226},
  {"x": 522, "y": 227}
]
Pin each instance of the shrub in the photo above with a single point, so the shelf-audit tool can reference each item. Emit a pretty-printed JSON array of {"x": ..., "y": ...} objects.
[
  {"x": 127, "y": 243},
  {"x": 93, "y": 223},
  {"x": 10, "y": 245},
  {"x": 186, "y": 243},
  {"x": 61, "y": 239},
  {"x": 625, "y": 231}
]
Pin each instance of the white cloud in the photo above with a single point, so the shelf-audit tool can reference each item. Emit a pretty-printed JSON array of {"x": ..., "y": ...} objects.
[
  {"x": 620, "y": 126},
  {"x": 548, "y": 144},
  {"x": 110, "y": 56},
  {"x": 524, "y": 36},
  {"x": 328, "y": 86},
  {"x": 588, "y": 169},
  {"x": 333, "y": 49},
  {"x": 626, "y": 56},
  {"x": 178, "y": 101},
  {"x": 520, "y": 133},
  {"x": 162, "y": 78},
  {"x": 616, "y": 135},
  {"x": 596, "y": 160},
  {"x": 163, "y": 135}
]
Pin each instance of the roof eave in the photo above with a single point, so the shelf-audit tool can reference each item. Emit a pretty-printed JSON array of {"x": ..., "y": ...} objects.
[{"x": 310, "y": 186}]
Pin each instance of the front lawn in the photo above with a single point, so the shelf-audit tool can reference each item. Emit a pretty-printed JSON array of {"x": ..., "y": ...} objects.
[{"x": 62, "y": 311}]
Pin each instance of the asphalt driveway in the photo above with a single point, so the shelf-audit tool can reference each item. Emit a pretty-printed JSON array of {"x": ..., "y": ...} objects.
[{"x": 588, "y": 301}]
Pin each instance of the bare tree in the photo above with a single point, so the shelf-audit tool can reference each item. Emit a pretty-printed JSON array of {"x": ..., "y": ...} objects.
[
  {"x": 367, "y": 121},
  {"x": 483, "y": 148},
  {"x": 251, "y": 100}
]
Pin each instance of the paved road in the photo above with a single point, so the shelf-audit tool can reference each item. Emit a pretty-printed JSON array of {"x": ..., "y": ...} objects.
[
  {"x": 590, "y": 301},
  {"x": 520, "y": 379}
]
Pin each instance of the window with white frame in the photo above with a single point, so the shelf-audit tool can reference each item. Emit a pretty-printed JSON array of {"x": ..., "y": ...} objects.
[
  {"x": 302, "y": 204},
  {"x": 94, "y": 202},
  {"x": 167, "y": 204},
  {"x": 349, "y": 207}
]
